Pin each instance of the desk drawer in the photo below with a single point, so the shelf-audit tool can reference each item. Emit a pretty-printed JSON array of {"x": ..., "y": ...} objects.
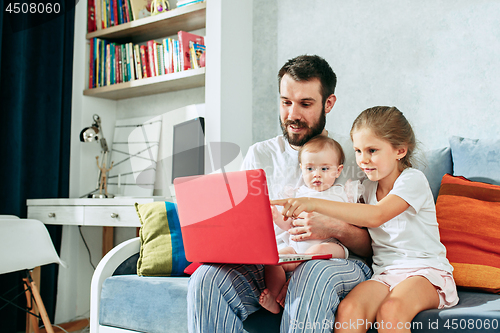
[
  {"x": 112, "y": 216},
  {"x": 68, "y": 215}
]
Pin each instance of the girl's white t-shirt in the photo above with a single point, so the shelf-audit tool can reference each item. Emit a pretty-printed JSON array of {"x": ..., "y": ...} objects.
[{"x": 411, "y": 239}]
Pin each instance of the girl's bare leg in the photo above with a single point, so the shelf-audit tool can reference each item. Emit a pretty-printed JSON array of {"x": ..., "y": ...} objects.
[
  {"x": 393, "y": 311},
  {"x": 358, "y": 310},
  {"x": 404, "y": 302}
]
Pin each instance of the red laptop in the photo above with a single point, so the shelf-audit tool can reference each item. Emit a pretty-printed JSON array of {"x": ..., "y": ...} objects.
[{"x": 226, "y": 218}]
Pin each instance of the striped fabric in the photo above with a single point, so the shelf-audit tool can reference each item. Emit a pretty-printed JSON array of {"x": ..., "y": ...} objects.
[
  {"x": 468, "y": 214},
  {"x": 162, "y": 249},
  {"x": 221, "y": 297}
]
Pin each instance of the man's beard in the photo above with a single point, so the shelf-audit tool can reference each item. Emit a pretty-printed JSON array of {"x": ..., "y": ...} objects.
[{"x": 300, "y": 139}]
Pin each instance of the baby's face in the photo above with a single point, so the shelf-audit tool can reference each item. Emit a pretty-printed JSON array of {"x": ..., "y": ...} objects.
[{"x": 320, "y": 169}]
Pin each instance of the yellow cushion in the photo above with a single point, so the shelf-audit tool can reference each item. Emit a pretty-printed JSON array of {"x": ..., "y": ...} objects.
[{"x": 162, "y": 249}]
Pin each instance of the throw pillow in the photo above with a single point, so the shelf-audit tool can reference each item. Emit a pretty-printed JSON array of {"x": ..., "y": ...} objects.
[
  {"x": 468, "y": 214},
  {"x": 435, "y": 164},
  {"x": 162, "y": 249},
  {"x": 477, "y": 160}
]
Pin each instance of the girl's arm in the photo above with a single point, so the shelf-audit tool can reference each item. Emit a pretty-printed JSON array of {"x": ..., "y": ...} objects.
[{"x": 362, "y": 215}]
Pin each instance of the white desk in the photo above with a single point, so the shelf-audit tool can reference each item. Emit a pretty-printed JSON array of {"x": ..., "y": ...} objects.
[{"x": 115, "y": 212}]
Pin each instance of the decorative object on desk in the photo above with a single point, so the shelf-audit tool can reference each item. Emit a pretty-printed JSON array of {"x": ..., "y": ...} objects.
[
  {"x": 159, "y": 6},
  {"x": 91, "y": 134},
  {"x": 104, "y": 172},
  {"x": 135, "y": 153}
]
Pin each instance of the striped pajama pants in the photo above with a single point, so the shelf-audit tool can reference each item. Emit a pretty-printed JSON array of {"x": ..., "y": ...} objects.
[{"x": 221, "y": 297}]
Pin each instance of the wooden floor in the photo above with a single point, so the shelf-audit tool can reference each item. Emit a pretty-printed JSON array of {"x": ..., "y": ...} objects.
[{"x": 79, "y": 326}]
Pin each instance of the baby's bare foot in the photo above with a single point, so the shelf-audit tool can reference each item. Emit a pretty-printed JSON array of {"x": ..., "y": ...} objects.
[
  {"x": 282, "y": 295},
  {"x": 268, "y": 302}
]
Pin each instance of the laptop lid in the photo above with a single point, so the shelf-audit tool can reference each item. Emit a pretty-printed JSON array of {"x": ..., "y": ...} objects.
[{"x": 226, "y": 218}]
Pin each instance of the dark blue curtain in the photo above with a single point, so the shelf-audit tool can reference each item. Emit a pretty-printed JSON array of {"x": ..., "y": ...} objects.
[{"x": 36, "y": 62}]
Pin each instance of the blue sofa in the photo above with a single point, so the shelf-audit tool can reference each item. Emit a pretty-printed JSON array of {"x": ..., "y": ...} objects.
[{"x": 121, "y": 301}]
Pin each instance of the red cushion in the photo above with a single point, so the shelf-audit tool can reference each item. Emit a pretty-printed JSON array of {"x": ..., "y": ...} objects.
[{"x": 468, "y": 214}]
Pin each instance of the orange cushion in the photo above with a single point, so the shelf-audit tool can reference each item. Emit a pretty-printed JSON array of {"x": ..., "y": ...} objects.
[{"x": 468, "y": 214}]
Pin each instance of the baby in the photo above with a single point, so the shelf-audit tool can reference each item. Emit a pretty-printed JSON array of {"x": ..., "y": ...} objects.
[{"x": 321, "y": 160}]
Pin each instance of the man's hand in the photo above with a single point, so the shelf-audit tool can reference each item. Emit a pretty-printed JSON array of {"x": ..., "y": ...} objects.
[{"x": 315, "y": 226}]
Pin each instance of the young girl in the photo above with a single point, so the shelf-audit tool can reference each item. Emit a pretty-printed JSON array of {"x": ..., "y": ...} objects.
[{"x": 411, "y": 272}]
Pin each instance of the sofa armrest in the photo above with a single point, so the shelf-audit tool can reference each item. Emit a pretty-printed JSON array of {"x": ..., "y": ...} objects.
[{"x": 105, "y": 269}]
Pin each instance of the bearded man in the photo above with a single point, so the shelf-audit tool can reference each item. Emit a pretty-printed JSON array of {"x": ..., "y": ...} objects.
[{"x": 222, "y": 296}]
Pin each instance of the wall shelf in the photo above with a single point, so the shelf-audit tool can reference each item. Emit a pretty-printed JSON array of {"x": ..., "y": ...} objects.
[
  {"x": 169, "y": 23},
  {"x": 187, "y": 79}
]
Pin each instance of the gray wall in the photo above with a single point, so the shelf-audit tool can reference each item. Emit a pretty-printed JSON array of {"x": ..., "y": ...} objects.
[{"x": 437, "y": 61}]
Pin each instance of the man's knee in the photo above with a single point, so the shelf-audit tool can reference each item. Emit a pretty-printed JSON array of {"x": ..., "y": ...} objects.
[{"x": 203, "y": 277}]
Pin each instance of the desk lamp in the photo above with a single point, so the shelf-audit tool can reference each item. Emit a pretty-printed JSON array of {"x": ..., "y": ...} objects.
[{"x": 90, "y": 134}]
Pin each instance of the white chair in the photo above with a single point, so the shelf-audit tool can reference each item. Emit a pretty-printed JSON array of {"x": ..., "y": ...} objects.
[
  {"x": 26, "y": 244},
  {"x": 8, "y": 217}
]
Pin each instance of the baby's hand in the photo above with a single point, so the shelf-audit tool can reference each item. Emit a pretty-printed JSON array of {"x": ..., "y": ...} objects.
[
  {"x": 283, "y": 223},
  {"x": 294, "y": 206}
]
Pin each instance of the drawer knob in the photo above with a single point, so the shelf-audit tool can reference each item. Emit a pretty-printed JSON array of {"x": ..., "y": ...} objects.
[
  {"x": 114, "y": 215},
  {"x": 52, "y": 214}
]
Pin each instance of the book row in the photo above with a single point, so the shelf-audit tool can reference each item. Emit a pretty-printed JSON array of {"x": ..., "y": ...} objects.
[
  {"x": 108, "y": 13},
  {"x": 103, "y": 14},
  {"x": 111, "y": 63}
]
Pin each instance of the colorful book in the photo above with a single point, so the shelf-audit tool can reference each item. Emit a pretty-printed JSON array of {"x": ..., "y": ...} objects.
[
  {"x": 130, "y": 61},
  {"x": 108, "y": 18},
  {"x": 108, "y": 65},
  {"x": 144, "y": 61},
  {"x": 97, "y": 61},
  {"x": 98, "y": 20},
  {"x": 161, "y": 63},
  {"x": 91, "y": 64},
  {"x": 124, "y": 63},
  {"x": 127, "y": 11},
  {"x": 165, "y": 54},
  {"x": 91, "y": 19},
  {"x": 151, "y": 58},
  {"x": 118, "y": 63},
  {"x": 197, "y": 55},
  {"x": 184, "y": 39},
  {"x": 112, "y": 63},
  {"x": 137, "y": 57},
  {"x": 102, "y": 67},
  {"x": 120, "y": 12}
]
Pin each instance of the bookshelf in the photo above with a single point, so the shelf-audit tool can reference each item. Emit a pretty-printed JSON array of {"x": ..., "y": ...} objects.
[
  {"x": 166, "y": 24},
  {"x": 225, "y": 86}
]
